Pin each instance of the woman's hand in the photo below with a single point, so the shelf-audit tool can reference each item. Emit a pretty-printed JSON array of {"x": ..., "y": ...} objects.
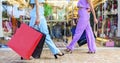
[
  {"x": 88, "y": 10},
  {"x": 95, "y": 21},
  {"x": 37, "y": 21}
]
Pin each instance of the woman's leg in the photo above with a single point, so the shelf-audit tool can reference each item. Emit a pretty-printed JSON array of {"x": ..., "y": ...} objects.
[
  {"x": 90, "y": 39},
  {"x": 81, "y": 26},
  {"x": 43, "y": 28}
]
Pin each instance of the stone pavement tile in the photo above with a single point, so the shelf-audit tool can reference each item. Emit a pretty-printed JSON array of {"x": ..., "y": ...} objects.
[{"x": 103, "y": 55}]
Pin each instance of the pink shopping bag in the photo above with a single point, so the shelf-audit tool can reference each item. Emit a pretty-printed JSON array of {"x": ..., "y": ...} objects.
[
  {"x": 24, "y": 41},
  {"x": 110, "y": 43}
]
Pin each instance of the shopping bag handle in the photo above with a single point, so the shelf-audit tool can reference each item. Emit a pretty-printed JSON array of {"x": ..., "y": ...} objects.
[{"x": 36, "y": 27}]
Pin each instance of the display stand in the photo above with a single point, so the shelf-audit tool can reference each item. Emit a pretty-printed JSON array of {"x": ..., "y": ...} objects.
[
  {"x": 108, "y": 19},
  {"x": 57, "y": 20}
]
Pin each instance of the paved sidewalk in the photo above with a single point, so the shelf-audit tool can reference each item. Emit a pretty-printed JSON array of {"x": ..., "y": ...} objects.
[{"x": 103, "y": 55}]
